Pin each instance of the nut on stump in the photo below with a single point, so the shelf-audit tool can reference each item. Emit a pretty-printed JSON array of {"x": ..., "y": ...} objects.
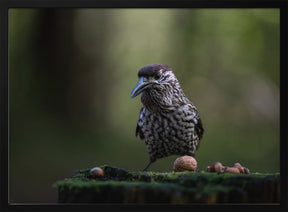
[
  {"x": 216, "y": 167},
  {"x": 232, "y": 170},
  {"x": 240, "y": 167},
  {"x": 185, "y": 163},
  {"x": 97, "y": 172}
]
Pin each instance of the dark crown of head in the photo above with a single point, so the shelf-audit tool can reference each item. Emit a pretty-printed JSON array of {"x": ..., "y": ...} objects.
[{"x": 153, "y": 69}]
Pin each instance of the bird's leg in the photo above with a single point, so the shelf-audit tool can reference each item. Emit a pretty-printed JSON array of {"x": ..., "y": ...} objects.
[{"x": 145, "y": 169}]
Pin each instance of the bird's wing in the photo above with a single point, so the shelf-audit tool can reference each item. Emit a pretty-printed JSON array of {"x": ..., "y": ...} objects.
[
  {"x": 197, "y": 121},
  {"x": 139, "y": 131},
  {"x": 199, "y": 127}
]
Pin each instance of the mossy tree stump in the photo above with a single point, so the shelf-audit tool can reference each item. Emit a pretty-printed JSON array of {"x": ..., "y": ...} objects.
[{"x": 121, "y": 186}]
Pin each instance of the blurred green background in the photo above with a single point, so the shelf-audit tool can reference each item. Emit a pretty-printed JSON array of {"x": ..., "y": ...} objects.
[{"x": 71, "y": 72}]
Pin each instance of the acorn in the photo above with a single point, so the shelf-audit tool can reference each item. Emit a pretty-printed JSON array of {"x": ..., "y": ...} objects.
[
  {"x": 185, "y": 163},
  {"x": 97, "y": 172}
]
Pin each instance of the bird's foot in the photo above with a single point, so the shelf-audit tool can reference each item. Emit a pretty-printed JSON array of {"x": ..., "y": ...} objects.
[{"x": 145, "y": 169}]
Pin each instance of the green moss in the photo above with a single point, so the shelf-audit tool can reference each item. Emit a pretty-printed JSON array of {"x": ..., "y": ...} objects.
[{"x": 123, "y": 186}]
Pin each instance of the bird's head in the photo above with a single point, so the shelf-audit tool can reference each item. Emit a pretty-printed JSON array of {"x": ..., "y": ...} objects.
[{"x": 153, "y": 76}]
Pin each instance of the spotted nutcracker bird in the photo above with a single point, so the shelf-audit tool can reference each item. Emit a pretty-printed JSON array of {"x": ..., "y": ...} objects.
[{"x": 168, "y": 121}]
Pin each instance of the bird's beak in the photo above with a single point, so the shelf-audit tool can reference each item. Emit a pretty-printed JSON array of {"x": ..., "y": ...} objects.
[{"x": 140, "y": 86}]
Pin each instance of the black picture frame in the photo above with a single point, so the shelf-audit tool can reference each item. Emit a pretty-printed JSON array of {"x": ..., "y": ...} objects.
[{"x": 4, "y": 101}]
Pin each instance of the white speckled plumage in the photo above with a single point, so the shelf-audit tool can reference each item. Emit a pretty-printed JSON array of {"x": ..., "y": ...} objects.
[{"x": 168, "y": 121}]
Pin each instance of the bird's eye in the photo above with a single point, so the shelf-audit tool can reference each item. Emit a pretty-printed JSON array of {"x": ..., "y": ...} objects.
[{"x": 157, "y": 76}]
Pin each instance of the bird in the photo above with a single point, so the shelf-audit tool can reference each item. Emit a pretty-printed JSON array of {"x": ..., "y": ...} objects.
[{"x": 168, "y": 122}]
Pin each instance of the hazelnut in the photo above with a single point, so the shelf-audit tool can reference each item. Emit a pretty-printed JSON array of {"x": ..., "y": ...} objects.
[
  {"x": 241, "y": 169},
  {"x": 185, "y": 163},
  {"x": 246, "y": 170},
  {"x": 216, "y": 167},
  {"x": 97, "y": 172},
  {"x": 225, "y": 167},
  {"x": 236, "y": 165},
  {"x": 239, "y": 166},
  {"x": 232, "y": 170}
]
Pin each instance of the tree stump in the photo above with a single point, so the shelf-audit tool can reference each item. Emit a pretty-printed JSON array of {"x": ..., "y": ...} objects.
[{"x": 121, "y": 186}]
